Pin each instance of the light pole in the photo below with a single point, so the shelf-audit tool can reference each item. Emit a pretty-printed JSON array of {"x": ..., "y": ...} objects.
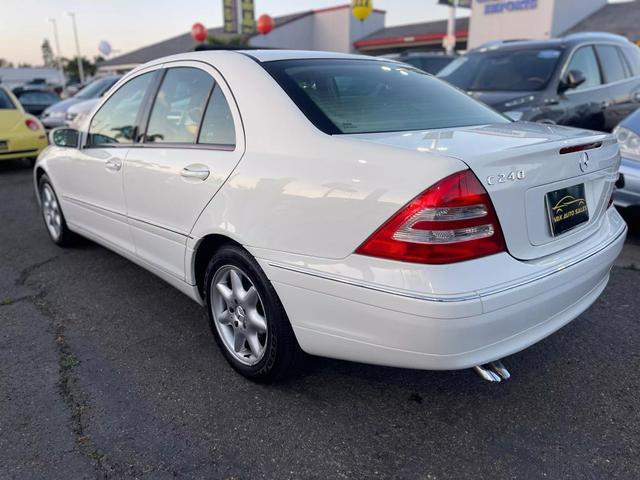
[
  {"x": 58, "y": 54},
  {"x": 451, "y": 28},
  {"x": 78, "y": 55}
]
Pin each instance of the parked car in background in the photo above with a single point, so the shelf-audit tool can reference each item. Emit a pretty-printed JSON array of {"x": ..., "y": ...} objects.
[
  {"x": 430, "y": 62},
  {"x": 35, "y": 101},
  {"x": 55, "y": 115},
  {"x": 628, "y": 134},
  {"x": 376, "y": 214},
  {"x": 21, "y": 134},
  {"x": 77, "y": 113},
  {"x": 587, "y": 80}
]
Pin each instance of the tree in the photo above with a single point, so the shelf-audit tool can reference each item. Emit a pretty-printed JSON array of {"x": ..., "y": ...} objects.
[
  {"x": 47, "y": 54},
  {"x": 70, "y": 66},
  {"x": 24, "y": 65},
  {"x": 5, "y": 63}
]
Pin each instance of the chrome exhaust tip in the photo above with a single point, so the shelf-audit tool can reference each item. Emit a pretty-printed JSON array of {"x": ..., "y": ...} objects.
[{"x": 492, "y": 372}]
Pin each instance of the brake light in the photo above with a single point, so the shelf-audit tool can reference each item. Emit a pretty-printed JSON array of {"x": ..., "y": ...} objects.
[
  {"x": 452, "y": 221},
  {"x": 32, "y": 124}
]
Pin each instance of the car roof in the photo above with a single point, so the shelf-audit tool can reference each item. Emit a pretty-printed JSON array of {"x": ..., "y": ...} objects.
[
  {"x": 569, "y": 40},
  {"x": 261, "y": 56}
]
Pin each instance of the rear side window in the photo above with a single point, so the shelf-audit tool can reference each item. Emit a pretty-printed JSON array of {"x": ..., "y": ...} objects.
[
  {"x": 632, "y": 54},
  {"x": 584, "y": 60},
  {"x": 179, "y": 106},
  {"x": 37, "y": 98},
  {"x": 115, "y": 122},
  {"x": 369, "y": 96},
  {"x": 611, "y": 62},
  {"x": 217, "y": 125},
  {"x": 5, "y": 101}
]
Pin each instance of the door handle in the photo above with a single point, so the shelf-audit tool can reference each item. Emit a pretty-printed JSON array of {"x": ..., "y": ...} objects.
[
  {"x": 636, "y": 96},
  {"x": 606, "y": 104},
  {"x": 114, "y": 164},
  {"x": 199, "y": 171}
]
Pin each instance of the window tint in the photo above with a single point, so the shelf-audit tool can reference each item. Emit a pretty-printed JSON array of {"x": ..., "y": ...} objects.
[
  {"x": 97, "y": 88},
  {"x": 37, "y": 98},
  {"x": 217, "y": 125},
  {"x": 5, "y": 101},
  {"x": 611, "y": 63},
  {"x": 115, "y": 122},
  {"x": 584, "y": 60},
  {"x": 428, "y": 64},
  {"x": 363, "y": 96},
  {"x": 503, "y": 70},
  {"x": 179, "y": 106},
  {"x": 632, "y": 54}
]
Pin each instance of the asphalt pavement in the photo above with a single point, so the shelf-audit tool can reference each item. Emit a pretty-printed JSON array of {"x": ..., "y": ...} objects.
[{"x": 108, "y": 372}]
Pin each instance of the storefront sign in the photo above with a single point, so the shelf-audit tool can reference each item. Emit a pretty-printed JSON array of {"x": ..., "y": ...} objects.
[
  {"x": 461, "y": 3},
  {"x": 239, "y": 16},
  {"x": 493, "y": 6},
  {"x": 230, "y": 15},
  {"x": 248, "y": 22}
]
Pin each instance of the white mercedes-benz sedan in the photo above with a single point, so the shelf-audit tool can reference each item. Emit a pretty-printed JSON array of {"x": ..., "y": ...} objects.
[{"x": 341, "y": 205}]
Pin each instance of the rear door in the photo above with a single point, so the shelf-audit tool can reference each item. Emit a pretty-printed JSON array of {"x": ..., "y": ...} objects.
[
  {"x": 620, "y": 84},
  {"x": 192, "y": 142}
]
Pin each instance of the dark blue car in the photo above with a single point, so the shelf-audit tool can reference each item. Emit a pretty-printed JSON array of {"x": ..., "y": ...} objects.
[{"x": 628, "y": 134}]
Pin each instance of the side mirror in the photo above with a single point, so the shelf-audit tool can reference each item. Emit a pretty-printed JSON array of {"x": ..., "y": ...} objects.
[
  {"x": 65, "y": 137},
  {"x": 573, "y": 79}
]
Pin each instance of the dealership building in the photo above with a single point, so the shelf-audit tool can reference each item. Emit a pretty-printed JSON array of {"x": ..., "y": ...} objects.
[{"x": 335, "y": 29}]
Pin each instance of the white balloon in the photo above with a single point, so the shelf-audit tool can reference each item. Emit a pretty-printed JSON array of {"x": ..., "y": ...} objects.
[{"x": 104, "y": 47}]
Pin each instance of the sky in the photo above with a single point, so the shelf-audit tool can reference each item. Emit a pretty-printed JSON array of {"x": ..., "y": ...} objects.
[{"x": 130, "y": 24}]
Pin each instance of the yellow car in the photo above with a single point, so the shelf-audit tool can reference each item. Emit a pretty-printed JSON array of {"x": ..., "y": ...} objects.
[{"x": 21, "y": 134}]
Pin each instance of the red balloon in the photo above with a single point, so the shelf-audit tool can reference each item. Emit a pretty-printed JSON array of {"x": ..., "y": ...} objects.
[
  {"x": 264, "y": 24},
  {"x": 199, "y": 32}
]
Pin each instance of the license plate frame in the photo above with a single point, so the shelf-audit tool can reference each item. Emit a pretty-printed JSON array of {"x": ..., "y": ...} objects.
[{"x": 567, "y": 208}]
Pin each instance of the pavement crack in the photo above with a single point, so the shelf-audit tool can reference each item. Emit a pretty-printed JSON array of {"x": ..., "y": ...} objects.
[
  {"x": 76, "y": 400},
  {"x": 26, "y": 272}
]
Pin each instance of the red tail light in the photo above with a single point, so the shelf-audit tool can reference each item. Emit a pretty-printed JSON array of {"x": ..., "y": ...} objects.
[
  {"x": 452, "y": 221},
  {"x": 32, "y": 124}
]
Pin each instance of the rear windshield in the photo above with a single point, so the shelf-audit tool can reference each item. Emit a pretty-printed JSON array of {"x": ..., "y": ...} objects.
[
  {"x": 5, "y": 101},
  {"x": 96, "y": 88},
  {"x": 506, "y": 70},
  {"x": 370, "y": 96}
]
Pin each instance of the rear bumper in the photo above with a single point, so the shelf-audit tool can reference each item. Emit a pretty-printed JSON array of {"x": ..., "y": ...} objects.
[
  {"x": 27, "y": 145},
  {"x": 629, "y": 194},
  {"x": 338, "y": 318}
]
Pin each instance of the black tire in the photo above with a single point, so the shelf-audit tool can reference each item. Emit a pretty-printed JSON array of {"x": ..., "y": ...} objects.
[
  {"x": 282, "y": 355},
  {"x": 66, "y": 238}
]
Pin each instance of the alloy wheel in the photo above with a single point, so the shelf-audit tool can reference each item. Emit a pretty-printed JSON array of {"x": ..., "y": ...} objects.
[
  {"x": 239, "y": 314},
  {"x": 51, "y": 212}
]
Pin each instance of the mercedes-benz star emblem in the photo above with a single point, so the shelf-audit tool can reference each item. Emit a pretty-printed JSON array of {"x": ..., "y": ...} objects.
[{"x": 584, "y": 162}]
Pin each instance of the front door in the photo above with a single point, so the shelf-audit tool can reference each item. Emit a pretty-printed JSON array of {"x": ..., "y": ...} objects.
[
  {"x": 586, "y": 105},
  {"x": 93, "y": 190},
  {"x": 191, "y": 144}
]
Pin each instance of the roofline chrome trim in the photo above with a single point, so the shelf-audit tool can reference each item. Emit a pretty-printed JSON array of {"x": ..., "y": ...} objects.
[{"x": 478, "y": 295}]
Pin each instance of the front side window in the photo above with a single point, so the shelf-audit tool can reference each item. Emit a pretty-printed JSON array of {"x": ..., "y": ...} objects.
[
  {"x": 179, "y": 106},
  {"x": 217, "y": 125},
  {"x": 5, "y": 101},
  {"x": 369, "y": 96},
  {"x": 522, "y": 70},
  {"x": 115, "y": 122},
  {"x": 611, "y": 62},
  {"x": 584, "y": 60}
]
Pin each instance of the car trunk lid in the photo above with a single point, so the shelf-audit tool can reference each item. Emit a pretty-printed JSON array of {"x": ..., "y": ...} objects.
[{"x": 519, "y": 164}]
